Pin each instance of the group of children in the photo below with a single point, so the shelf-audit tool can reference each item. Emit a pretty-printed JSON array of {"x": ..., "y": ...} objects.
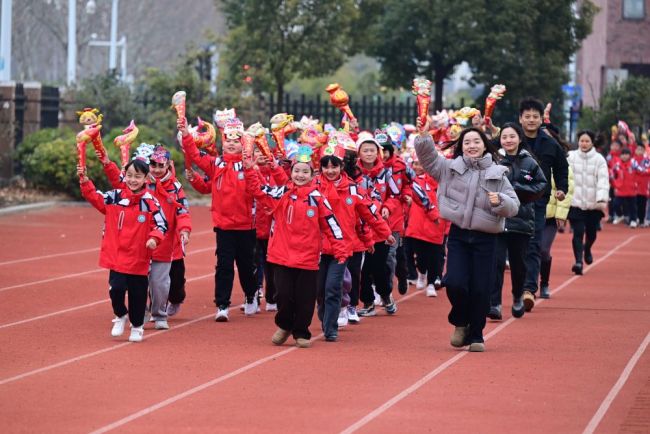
[
  {"x": 629, "y": 170},
  {"x": 331, "y": 227}
]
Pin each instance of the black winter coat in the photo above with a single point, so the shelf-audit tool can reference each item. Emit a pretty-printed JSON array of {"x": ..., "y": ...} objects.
[
  {"x": 551, "y": 157},
  {"x": 529, "y": 182}
]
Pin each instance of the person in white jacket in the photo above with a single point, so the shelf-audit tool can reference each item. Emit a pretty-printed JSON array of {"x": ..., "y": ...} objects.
[{"x": 590, "y": 196}]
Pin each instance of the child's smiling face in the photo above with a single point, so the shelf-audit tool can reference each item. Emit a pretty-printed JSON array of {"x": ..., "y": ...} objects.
[{"x": 134, "y": 180}]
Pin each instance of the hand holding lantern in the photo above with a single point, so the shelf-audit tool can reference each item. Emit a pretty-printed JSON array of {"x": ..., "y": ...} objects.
[
  {"x": 422, "y": 90},
  {"x": 340, "y": 99},
  {"x": 124, "y": 141},
  {"x": 496, "y": 93}
]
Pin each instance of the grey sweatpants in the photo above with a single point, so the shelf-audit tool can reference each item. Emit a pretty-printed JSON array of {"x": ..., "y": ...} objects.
[{"x": 159, "y": 288}]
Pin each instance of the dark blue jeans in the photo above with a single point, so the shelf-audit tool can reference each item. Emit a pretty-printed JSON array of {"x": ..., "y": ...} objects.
[
  {"x": 471, "y": 259},
  {"x": 534, "y": 255},
  {"x": 330, "y": 280}
]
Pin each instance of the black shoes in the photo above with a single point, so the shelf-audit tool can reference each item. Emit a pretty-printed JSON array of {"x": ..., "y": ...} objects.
[
  {"x": 495, "y": 313},
  {"x": 518, "y": 308},
  {"x": 544, "y": 291},
  {"x": 588, "y": 257},
  {"x": 577, "y": 268},
  {"x": 402, "y": 286}
]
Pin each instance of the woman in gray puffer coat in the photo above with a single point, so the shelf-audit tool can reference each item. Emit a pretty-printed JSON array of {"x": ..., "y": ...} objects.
[
  {"x": 529, "y": 182},
  {"x": 476, "y": 196}
]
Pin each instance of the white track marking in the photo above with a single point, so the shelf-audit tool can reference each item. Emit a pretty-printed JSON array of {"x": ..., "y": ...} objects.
[
  {"x": 618, "y": 386},
  {"x": 441, "y": 368}
]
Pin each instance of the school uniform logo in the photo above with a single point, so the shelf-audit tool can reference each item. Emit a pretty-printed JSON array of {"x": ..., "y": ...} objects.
[
  {"x": 348, "y": 201},
  {"x": 141, "y": 218},
  {"x": 240, "y": 176},
  {"x": 310, "y": 213}
]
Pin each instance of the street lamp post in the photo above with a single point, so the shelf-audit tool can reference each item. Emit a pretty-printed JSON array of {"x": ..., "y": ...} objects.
[
  {"x": 5, "y": 41},
  {"x": 72, "y": 42}
]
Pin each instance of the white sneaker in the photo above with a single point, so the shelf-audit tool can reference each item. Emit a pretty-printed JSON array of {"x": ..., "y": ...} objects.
[
  {"x": 633, "y": 224},
  {"x": 431, "y": 291},
  {"x": 353, "y": 316},
  {"x": 422, "y": 281},
  {"x": 343, "y": 317},
  {"x": 378, "y": 300},
  {"x": 137, "y": 334},
  {"x": 250, "y": 308},
  {"x": 410, "y": 282},
  {"x": 271, "y": 307},
  {"x": 161, "y": 324},
  {"x": 173, "y": 309},
  {"x": 222, "y": 315},
  {"x": 618, "y": 220},
  {"x": 118, "y": 325}
]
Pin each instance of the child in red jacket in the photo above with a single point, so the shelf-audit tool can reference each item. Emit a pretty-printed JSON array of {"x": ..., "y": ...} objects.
[
  {"x": 427, "y": 231},
  {"x": 624, "y": 180},
  {"x": 167, "y": 271},
  {"x": 134, "y": 226},
  {"x": 641, "y": 163},
  {"x": 232, "y": 216},
  {"x": 351, "y": 209},
  {"x": 300, "y": 216}
]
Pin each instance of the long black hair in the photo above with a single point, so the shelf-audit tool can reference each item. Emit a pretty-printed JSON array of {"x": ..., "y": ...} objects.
[
  {"x": 458, "y": 144},
  {"x": 520, "y": 133},
  {"x": 347, "y": 165}
]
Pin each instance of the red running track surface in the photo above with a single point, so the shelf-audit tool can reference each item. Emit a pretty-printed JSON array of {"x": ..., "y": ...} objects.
[{"x": 577, "y": 363}]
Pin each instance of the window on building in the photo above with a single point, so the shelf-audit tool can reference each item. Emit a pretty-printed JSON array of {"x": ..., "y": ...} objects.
[{"x": 633, "y": 9}]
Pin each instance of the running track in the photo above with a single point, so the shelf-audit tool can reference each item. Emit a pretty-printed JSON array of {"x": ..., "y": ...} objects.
[{"x": 578, "y": 363}]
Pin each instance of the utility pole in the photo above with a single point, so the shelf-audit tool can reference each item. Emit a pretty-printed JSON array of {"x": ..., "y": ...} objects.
[{"x": 5, "y": 41}]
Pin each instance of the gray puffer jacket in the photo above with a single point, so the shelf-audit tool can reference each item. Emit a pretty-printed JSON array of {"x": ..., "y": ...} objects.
[{"x": 463, "y": 189}]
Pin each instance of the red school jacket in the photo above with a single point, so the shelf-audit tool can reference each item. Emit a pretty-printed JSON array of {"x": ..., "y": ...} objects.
[
  {"x": 399, "y": 186},
  {"x": 376, "y": 183},
  {"x": 641, "y": 163},
  {"x": 300, "y": 216},
  {"x": 354, "y": 212},
  {"x": 624, "y": 179},
  {"x": 424, "y": 216},
  {"x": 232, "y": 205},
  {"x": 273, "y": 176},
  {"x": 200, "y": 183},
  {"x": 171, "y": 197},
  {"x": 131, "y": 219}
]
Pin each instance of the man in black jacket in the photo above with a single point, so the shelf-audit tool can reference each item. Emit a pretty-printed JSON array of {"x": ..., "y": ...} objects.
[{"x": 552, "y": 160}]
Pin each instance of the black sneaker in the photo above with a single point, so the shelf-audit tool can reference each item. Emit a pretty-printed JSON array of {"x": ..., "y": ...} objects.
[
  {"x": 588, "y": 257},
  {"x": 367, "y": 310},
  {"x": 544, "y": 291},
  {"x": 518, "y": 308},
  {"x": 495, "y": 313},
  {"x": 577, "y": 268},
  {"x": 390, "y": 306},
  {"x": 402, "y": 286}
]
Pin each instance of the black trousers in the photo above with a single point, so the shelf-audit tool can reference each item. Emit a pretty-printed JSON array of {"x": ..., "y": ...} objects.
[
  {"x": 261, "y": 250},
  {"x": 585, "y": 229},
  {"x": 629, "y": 208},
  {"x": 409, "y": 251},
  {"x": 470, "y": 277},
  {"x": 375, "y": 271},
  {"x": 641, "y": 203},
  {"x": 296, "y": 297},
  {"x": 512, "y": 246},
  {"x": 430, "y": 258},
  {"x": 177, "y": 282},
  {"x": 234, "y": 247},
  {"x": 137, "y": 287},
  {"x": 354, "y": 266}
]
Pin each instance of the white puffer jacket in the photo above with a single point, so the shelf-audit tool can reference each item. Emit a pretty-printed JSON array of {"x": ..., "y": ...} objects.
[{"x": 591, "y": 178}]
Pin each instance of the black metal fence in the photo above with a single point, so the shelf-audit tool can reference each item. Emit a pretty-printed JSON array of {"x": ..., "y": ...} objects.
[{"x": 371, "y": 112}]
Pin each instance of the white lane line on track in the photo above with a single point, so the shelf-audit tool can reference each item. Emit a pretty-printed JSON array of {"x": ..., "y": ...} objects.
[
  {"x": 449, "y": 362},
  {"x": 83, "y": 306},
  {"x": 618, "y": 386},
  {"x": 68, "y": 276},
  {"x": 173, "y": 399},
  {"x": 53, "y": 255},
  {"x": 74, "y": 252}
]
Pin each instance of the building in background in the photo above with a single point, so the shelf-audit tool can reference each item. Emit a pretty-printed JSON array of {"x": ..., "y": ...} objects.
[{"x": 618, "y": 47}]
